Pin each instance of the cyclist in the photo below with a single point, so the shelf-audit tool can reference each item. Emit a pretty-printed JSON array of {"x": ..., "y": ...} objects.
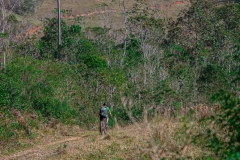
[{"x": 104, "y": 111}]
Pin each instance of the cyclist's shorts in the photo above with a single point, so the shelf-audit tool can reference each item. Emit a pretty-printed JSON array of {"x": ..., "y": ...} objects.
[{"x": 102, "y": 117}]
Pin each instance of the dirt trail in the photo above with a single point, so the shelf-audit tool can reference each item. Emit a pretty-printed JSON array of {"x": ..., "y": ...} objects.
[
  {"x": 81, "y": 147},
  {"x": 39, "y": 151}
]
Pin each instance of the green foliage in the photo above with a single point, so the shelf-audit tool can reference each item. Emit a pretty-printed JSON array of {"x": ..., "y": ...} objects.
[
  {"x": 7, "y": 132},
  {"x": 227, "y": 145},
  {"x": 198, "y": 56},
  {"x": 88, "y": 73},
  {"x": 116, "y": 77},
  {"x": 133, "y": 53},
  {"x": 74, "y": 46},
  {"x": 94, "y": 62},
  {"x": 29, "y": 48},
  {"x": 196, "y": 45},
  {"x": 86, "y": 47},
  {"x": 122, "y": 114},
  {"x": 12, "y": 18},
  {"x": 69, "y": 40},
  {"x": 26, "y": 86},
  {"x": 4, "y": 35},
  {"x": 211, "y": 75}
]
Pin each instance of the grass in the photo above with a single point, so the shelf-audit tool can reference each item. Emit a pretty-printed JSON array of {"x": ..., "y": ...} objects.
[
  {"x": 162, "y": 138},
  {"x": 116, "y": 19}
]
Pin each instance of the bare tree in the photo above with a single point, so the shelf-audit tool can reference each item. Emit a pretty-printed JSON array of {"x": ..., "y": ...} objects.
[
  {"x": 59, "y": 24},
  {"x": 3, "y": 26}
]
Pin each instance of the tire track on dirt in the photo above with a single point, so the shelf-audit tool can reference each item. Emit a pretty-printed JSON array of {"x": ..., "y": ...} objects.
[
  {"x": 83, "y": 144},
  {"x": 40, "y": 150}
]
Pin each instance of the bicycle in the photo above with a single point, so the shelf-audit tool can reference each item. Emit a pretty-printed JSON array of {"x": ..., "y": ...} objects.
[{"x": 103, "y": 126}]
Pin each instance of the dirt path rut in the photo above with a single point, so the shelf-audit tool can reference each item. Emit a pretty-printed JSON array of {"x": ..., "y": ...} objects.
[
  {"x": 88, "y": 145},
  {"x": 42, "y": 151}
]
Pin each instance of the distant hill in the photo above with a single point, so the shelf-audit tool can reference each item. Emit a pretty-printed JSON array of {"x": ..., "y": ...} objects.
[{"x": 94, "y": 9}]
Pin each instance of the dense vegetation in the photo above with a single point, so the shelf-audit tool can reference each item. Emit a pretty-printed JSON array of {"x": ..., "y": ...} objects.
[{"x": 152, "y": 64}]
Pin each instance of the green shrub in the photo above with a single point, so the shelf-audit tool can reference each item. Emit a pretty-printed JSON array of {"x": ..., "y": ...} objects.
[
  {"x": 26, "y": 85},
  {"x": 226, "y": 143},
  {"x": 94, "y": 62},
  {"x": 123, "y": 117}
]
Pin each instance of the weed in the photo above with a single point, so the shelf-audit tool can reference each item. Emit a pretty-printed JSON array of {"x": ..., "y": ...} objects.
[
  {"x": 62, "y": 149},
  {"x": 92, "y": 139}
]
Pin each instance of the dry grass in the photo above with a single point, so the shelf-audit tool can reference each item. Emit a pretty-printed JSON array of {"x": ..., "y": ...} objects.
[
  {"x": 174, "y": 140},
  {"x": 171, "y": 8},
  {"x": 161, "y": 138},
  {"x": 164, "y": 137},
  {"x": 99, "y": 12}
]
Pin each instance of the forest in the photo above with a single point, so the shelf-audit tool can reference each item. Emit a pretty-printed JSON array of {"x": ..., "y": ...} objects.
[{"x": 185, "y": 70}]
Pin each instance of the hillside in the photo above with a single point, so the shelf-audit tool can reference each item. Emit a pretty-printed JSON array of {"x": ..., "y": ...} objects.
[
  {"x": 169, "y": 8},
  {"x": 171, "y": 81},
  {"x": 97, "y": 13},
  {"x": 108, "y": 13}
]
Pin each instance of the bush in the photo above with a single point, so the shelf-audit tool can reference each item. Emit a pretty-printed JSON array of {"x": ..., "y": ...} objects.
[
  {"x": 226, "y": 143},
  {"x": 26, "y": 85}
]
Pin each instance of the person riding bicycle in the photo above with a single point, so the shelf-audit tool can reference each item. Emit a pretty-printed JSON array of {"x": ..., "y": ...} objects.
[{"x": 104, "y": 111}]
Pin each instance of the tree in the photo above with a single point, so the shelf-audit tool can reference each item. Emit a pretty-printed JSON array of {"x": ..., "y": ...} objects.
[
  {"x": 70, "y": 39},
  {"x": 6, "y": 20},
  {"x": 206, "y": 38}
]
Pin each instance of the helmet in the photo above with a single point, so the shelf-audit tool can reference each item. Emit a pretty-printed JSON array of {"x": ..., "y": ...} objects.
[{"x": 105, "y": 104}]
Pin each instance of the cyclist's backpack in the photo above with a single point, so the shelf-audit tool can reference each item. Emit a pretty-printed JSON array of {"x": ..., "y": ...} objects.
[{"x": 103, "y": 111}]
